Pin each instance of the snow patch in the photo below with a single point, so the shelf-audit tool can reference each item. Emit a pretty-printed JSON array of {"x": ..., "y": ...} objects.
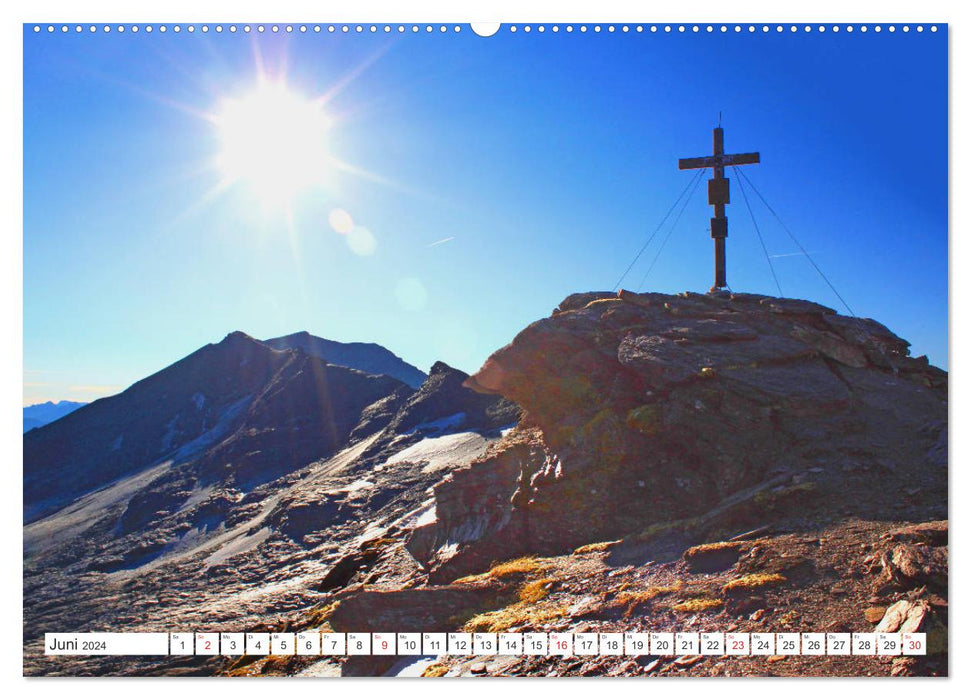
[
  {"x": 439, "y": 425},
  {"x": 457, "y": 449},
  {"x": 169, "y": 433},
  {"x": 429, "y": 516},
  {"x": 411, "y": 666},
  {"x": 237, "y": 546}
]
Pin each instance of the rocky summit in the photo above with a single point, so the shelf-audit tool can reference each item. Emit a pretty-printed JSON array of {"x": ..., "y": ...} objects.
[
  {"x": 643, "y": 409},
  {"x": 688, "y": 462}
]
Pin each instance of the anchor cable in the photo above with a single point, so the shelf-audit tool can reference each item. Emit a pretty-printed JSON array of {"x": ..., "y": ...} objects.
[
  {"x": 798, "y": 244},
  {"x": 741, "y": 186},
  {"x": 657, "y": 230},
  {"x": 697, "y": 181}
]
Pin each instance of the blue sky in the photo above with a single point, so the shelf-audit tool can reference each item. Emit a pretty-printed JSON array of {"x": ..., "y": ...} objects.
[{"x": 496, "y": 176}]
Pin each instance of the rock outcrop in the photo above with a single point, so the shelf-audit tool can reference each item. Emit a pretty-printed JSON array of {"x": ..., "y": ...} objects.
[{"x": 643, "y": 409}]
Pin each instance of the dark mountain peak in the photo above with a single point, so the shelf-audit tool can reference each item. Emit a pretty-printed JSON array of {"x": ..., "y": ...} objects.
[
  {"x": 365, "y": 357},
  {"x": 441, "y": 368},
  {"x": 442, "y": 401},
  {"x": 238, "y": 338},
  {"x": 287, "y": 405}
]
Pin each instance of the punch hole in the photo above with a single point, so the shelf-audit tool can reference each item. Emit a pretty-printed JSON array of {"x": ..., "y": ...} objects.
[{"x": 485, "y": 28}]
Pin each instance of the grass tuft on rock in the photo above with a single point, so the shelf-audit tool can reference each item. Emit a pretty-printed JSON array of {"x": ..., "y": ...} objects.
[
  {"x": 525, "y": 615},
  {"x": 535, "y": 591},
  {"x": 753, "y": 582},
  {"x": 508, "y": 569},
  {"x": 435, "y": 671},
  {"x": 712, "y": 547},
  {"x": 698, "y": 605},
  {"x": 596, "y": 547}
]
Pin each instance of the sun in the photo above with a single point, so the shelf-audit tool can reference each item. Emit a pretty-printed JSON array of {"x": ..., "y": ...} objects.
[{"x": 274, "y": 141}]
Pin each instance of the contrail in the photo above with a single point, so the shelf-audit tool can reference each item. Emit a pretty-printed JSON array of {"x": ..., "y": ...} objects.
[
  {"x": 444, "y": 240},
  {"x": 789, "y": 255}
]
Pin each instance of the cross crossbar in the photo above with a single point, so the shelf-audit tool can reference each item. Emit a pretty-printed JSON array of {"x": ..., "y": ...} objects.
[{"x": 718, "y": 161}]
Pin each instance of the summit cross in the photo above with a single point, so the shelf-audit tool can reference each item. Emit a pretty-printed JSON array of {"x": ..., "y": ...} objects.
[{"x": 718, "y": 195}]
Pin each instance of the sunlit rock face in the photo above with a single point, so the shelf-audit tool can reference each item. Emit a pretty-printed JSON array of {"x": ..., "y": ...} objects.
[{"x": 645, "y": 408}]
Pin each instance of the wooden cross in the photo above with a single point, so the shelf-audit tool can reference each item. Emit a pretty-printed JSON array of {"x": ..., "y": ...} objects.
[{"x": 718, "y": 193}]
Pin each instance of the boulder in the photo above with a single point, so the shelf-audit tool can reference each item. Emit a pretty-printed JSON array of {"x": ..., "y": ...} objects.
[{"x": 904, "y": 616}]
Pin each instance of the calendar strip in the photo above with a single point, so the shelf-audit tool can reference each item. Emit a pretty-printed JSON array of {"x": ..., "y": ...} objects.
[{"x": 484, "y": 644}]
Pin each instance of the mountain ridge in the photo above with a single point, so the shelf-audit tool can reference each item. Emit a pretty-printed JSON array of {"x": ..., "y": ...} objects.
[{"x": 367, "y": 357}]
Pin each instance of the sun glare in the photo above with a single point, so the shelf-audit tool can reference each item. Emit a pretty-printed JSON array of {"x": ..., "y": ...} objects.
[{"x": 274, "y": 141}]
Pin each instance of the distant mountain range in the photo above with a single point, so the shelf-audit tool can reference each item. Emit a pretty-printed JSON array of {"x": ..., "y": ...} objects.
[{"x": 40, "y": 414}]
